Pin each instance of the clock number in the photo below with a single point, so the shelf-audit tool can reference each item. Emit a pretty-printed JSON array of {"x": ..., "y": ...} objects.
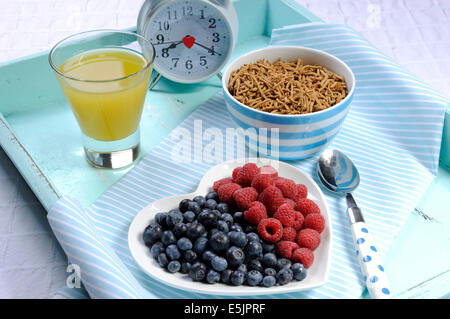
[
  {"x": 164, "y": 25},
  {"x": 187, "y": 11},
  {"x": 165, "y": 53},
  {"x": 212, "y": 51},
  {"x": 203, "y": 61},
  {"x": 189, "y": 65},
  {"x": 172, "y": 14},
  {"x": 216, "y": 37},
  {"x": 175, "y": 62},
  {"x": 212, "y": 23},
  {"x": 160, "y": 38},
  {"x": 202, "y": 14}
]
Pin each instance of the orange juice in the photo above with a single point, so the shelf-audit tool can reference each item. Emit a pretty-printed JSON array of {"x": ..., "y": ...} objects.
[{"x": 106, "y": 89}]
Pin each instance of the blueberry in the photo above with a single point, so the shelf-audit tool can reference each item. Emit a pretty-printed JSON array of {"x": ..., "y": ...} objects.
[
  {"x": 219, "y": 263},
  {"x": 269, "y": 281},
  {"x": 269, "y": 260},
  {"x": 208, "y": 219},
  {"x": 217, "y": 213},
  {"x": 235, "y": 256},
  {"x": 194, "y": 207},
  {"x": 183, "y": 206},
  {"x": 211, "y": 204},
  {"x": 238, "y": 217},
  {"x": 162, "y": 260},
  {"x": 190, "y": 256},
  {"x": 172, "y": 252},
  {"x": 225, "y": 276},
  {"x": 253, "y": 249},
  {"x": 270, "y": 272},
  {"x": 283, "y": 263},
  {"x": 219, "y": 242},
  {"x": 157, "y": 248},
  {"x": 212, "y": 195},
  {"x": 160, "y": 218},
  {"x": 152, "y": 233},
  {"x": 299, "y": 271},
  {"x": 237, "y": 278},
  {"x": 242, "y": 268},
  {"x": 185, "y": 266},
  {"x": 168, "y": 238},
  {"x": 284, "y": 276},
  {"x": 213, "y": 231},
  {"x": 200, "y": 245},
  {"x": 255, "y": 264},
  {"x": 252, "y": 236},
  {"x": 195, "y": 230},
  {"x": 222, "y": 226},
  {"x": 227, "y": 218},
  {"x": 254, "y": 277},
  {"x": 251, "y": 229},
  {"x": 268, "y": 248},
  {"x": 180, "y": 230},
  {"x": 223, "y": 208},
  {"x": 174, "y": 217},
  {"x": 236, "y": 227},
  {"x": 200, "y": 200},
  {"x": 212, "y": 277},
  {"x": 207, "y": 256},
  {"x": 197, "y": 271},
  {"x": 188, "y": 216},
  {"x": 238, "y": 238},
  {"x": 174, "y": 266},
  {"x": 184, "y": 243}
]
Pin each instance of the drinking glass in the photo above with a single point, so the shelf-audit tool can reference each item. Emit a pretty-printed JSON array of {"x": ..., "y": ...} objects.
[{"x": 104, "y": 75}]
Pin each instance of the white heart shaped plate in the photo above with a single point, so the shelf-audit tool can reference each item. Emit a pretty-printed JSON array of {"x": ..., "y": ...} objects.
[{"x": 317, "y": 274}]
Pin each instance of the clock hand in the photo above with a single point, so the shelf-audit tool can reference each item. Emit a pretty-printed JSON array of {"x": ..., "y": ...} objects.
[{"x": 209, "y": 49}]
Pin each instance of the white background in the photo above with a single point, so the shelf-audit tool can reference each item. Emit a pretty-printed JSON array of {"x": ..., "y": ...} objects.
[{"x": 32, "y": 264}]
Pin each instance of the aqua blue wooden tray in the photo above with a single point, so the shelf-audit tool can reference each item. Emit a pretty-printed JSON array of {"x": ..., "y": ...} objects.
[{"x": 40, "y": 135}]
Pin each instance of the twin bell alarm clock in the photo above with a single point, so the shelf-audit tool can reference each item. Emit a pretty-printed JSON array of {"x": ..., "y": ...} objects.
[{"x": 193, "y": 39}]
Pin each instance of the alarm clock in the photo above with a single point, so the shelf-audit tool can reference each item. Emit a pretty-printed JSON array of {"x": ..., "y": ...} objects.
[{"x": 193, "y": 39}]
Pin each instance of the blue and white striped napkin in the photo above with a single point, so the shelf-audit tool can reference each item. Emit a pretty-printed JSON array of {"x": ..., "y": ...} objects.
[{"x": 392, "y": 133}]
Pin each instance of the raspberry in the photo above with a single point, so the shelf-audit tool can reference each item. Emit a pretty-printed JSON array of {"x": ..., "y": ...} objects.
[
  {"x": 299, "y": 219},
  {"x": 244, "y": 196},
  {"x": 304, "y": 256},
  {"x": 307, "y": 206},
  {"x": 285, "y": 214},
  {"x": 235, "y": 172},
  {"x": 287, "y": 186},
  {"x": 315, "y": 221},
  {"x": 271, "y": 197},
  {"x": 226, "y": 192},
  {"x": 308, "y": 238},
  {"x": 302, "y": 192},
  {"x": 270, "y": 229},
  {"x": 286, "y": 248},
  {"x": 221, "y": 182},
  {"x": 255, "y": 213},
  {"x": 262, "y": 181},
  {"x": 269, "y": 170},
  {"x": 289, "y": 201},
  {"x": 289, "y": 234},
  {"x": 246, "y": 174}
]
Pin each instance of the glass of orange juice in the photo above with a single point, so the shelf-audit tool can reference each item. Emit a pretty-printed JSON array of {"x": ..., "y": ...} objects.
[{"x": 104, "y": 75}]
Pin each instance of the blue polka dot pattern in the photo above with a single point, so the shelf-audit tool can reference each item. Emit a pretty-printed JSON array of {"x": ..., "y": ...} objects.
[
  {"x": 367, "y": 258},
  {"x": 364, "y": 230},
  {"x": 373, "y": 248},
  {"x": 385, "y": 291},
  {"x": 374, "y": 279},
  {"x": 357, "y": 252},
  {"x": 380, "y": 267},
  {"x": 365, "y": 278},
  {"x": 359, "y": 241}
]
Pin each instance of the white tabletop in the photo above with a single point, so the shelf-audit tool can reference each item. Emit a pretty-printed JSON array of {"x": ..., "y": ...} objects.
[{"x": 32, "y": 264}]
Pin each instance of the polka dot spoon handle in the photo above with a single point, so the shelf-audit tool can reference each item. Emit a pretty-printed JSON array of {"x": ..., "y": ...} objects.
[{"x": 374, "y": 275}]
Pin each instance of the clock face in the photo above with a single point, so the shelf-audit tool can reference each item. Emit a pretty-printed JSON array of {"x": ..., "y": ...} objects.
[{"x": 192, "y": 40}]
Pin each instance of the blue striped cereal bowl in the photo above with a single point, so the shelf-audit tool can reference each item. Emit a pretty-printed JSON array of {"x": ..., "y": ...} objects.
[{"x": 289, "y": 137}]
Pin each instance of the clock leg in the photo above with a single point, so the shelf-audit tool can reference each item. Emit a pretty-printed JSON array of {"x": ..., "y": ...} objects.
[{"x": 154, "y": 81}]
